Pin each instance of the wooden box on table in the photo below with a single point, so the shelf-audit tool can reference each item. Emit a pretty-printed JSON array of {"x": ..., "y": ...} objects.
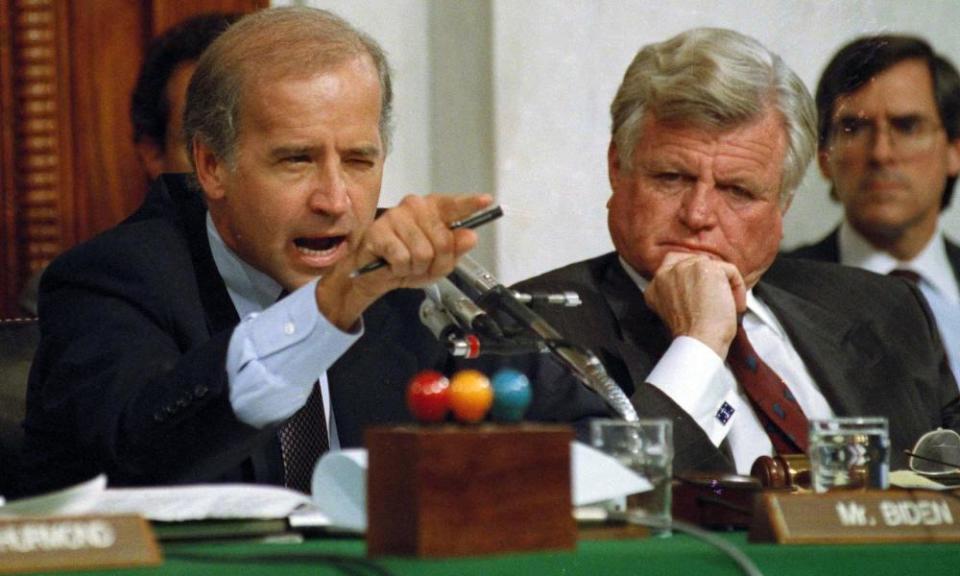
[{"x": 468, "y": 490}]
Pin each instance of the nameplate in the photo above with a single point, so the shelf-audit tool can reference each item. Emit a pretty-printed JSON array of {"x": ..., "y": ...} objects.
[
  {"x": 75, "y": 543},
  {"x": 856, "y": 517}
]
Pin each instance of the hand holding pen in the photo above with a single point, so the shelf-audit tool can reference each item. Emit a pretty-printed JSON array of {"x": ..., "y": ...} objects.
[{"x": 470, "y": 222}]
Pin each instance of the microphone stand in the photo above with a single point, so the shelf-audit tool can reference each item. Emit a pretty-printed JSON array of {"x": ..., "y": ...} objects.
[{"x": 581, "y": 362}]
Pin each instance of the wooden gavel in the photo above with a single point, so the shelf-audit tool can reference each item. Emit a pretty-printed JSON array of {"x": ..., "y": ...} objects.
[{"x": 784, "y": 471}]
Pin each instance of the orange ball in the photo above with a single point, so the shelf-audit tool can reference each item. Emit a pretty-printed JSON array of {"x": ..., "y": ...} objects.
[{"x": 470, "y": 395}]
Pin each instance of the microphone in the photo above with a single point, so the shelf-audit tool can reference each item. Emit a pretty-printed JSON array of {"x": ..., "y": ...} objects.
[
  {"x": 581, "y": 362},
  {"x": 463, "y": 309},
  {"x": 436, "y": 318},
  {"x": 448, "y": 331}
]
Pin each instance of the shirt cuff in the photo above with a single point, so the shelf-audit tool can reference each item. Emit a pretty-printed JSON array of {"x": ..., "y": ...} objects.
[
  {"x": 275, "y": 356},
  {"x": 693, "y": 376}
]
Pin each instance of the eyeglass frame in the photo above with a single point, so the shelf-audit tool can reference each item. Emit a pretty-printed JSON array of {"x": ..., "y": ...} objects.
[{"x": 896, "y": 129}]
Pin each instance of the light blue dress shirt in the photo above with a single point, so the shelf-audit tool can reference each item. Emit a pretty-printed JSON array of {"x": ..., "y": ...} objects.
[
  {"x": 937, "y": 281},
  {"x": 279, "y": 349}
]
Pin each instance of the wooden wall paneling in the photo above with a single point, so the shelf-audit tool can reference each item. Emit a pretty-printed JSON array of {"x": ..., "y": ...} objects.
[
  {"x": 166, "y": 14},
  {"x": 68, "y": 169},
  {"x": 106, "y": 53},
  {"x": 41, "y": 159},
  {"x": 9, "y": 247}
]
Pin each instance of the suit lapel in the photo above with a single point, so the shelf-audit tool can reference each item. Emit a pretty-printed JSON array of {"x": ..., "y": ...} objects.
[
  {"x": 191, "y": 213},
  {"x": 641, "y": 336},
  {"x": 953, "y": 255},
  {"x": 264, "y": 464},
  {"x": 841, "y": 355}
]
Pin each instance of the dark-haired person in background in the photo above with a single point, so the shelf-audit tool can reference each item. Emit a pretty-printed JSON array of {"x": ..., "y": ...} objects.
[
  {"x": 158, "y": 99},
  {"x": 156, "y": 105},
  {"x": 889, "y": 142}
]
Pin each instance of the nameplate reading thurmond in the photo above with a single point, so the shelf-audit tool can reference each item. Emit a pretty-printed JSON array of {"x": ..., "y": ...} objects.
[
  {"x": 75, "y": 542},
  {"x": 856, "y": 517}
]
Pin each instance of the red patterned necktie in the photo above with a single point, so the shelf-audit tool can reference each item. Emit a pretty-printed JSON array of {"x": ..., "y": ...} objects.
[
  {"x": 303, "y": 439},
  {"x": 781, "y": 415}
]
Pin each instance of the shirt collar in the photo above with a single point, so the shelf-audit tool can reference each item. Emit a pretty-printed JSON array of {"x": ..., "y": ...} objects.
[
  {"x": 250, "y": 289},
  {"x": 758, "y": 313},
  {"x": 931, "y": 263}
]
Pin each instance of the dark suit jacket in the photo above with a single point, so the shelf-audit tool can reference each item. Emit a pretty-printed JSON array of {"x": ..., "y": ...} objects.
[
  {"x": 130, "y": 374},
  {"x": 869, "y": 342},
  {"x": 828, "y": 250}
]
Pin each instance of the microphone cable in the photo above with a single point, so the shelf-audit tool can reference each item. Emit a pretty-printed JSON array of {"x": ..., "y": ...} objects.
[{"x": 746, "y": 565}]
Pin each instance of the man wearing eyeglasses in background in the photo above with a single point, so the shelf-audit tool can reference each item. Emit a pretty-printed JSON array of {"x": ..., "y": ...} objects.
[{"x": 889, "y": 142}]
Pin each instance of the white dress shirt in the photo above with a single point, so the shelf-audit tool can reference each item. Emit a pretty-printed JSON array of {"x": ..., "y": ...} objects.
[
  {"x": 937, "y": 281},
  {"x": 276, "y": 343},
  {"x": 701, "y": 383}
]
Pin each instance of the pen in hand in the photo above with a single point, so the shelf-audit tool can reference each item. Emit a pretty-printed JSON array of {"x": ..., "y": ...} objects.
[{"x": 473, "y": 221}]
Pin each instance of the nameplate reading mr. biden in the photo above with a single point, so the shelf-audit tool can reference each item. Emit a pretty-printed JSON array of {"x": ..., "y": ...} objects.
[{"x": 856, "y": 517}]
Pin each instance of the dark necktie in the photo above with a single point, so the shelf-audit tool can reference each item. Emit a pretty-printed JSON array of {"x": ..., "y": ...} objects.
[
  {"x": 781, "y": 415},
  {"x": 905, "y": 274},
  {"x": 303, "y": 439}
]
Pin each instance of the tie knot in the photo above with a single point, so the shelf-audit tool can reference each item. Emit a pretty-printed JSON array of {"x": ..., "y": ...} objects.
[{"x": 906, "y": 274}]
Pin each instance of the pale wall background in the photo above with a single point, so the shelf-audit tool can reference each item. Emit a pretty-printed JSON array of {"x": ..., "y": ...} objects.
[{"x": 511, "y": 97}]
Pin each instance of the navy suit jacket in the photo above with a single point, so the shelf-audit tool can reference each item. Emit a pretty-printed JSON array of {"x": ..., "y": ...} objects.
[
  {"x": 869, "y": 342},
  {"x": 129, "y": 378}
]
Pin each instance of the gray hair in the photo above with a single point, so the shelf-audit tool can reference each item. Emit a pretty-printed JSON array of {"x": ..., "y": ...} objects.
[
  {"x": 717, "y": 79},
  {"x": 267, "y": 45}
]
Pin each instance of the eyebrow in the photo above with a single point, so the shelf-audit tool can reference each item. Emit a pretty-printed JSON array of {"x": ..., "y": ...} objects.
[
  {"x": 370, "y": 151},
  {"x": 365, "y": 151},
  {"x": 904, "y": 116}
]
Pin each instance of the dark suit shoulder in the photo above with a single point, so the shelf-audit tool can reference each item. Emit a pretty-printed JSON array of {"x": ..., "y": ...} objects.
[
  {"x": 585, "y": 273},
  {"x": 850, "y": 292},
  {"x": 826, "y": 249}
]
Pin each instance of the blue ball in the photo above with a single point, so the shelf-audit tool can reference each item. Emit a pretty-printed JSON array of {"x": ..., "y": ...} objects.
[{"x": 511, "y": 395}]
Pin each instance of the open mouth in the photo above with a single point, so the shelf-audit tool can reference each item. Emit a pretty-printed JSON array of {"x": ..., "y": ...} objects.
[{"x": 318, "y": 246}]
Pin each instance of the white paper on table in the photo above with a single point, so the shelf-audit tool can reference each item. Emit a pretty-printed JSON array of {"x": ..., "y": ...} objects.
[
  {"x": 597, "y": 476},
  {"x": 165, "y": 504},
  {"x": 78, "y": 499},
  {"x": 340, "y": 488},
  {"x": 203, "y": 501}
]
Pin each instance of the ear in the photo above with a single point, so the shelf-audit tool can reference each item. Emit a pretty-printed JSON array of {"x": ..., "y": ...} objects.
[
  {"x": 786, "y": 205},
  {"x": 823, "y": 161},
  {"x": 953, "y": 157},
  {"x": 613, "y": 165},
  {"x": 151, "y": 156},
  {"x": 211, "y": 171}
]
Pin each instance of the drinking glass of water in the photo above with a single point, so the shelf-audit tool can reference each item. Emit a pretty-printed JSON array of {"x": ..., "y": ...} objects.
[
  {"x": 646, "y": 447},
  {"x": 849, "y": 453}
]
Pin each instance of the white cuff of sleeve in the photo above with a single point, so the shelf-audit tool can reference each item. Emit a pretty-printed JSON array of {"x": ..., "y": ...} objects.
[
  {"x": 275, "y": 357},
  {"x": 693, "y": 376}
]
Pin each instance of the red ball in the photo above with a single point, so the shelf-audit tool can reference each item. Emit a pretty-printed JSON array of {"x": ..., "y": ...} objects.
[
  {"x": 428, "y": 396},
  {"x": 470, "y": 396}
]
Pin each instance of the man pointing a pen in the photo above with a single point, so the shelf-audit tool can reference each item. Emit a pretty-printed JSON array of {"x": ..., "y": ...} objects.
[{"x": 219, "y": 333}]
